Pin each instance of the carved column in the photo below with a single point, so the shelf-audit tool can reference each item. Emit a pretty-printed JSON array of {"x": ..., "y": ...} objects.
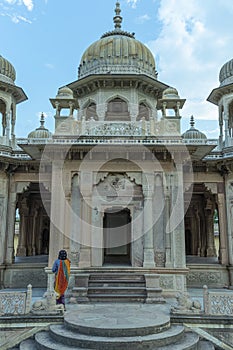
[
  {"x": 57, "y": 211},
  {"x": 23, "y": 211},
  {"x": 167, "y": 228},
  {"x": 197, "y": 231},
  {"x": 8, "y": 118},
  {"x": 10, "y": 227},
  {"x": 222, "y": 228},
  {"x": 34, "y": 229},
  {"x": 148, "y": 187},
  {"x": 211, "y": 251},
  {"x": 158, "y": 217},
  {"x": 86, "y": 186},
  {"x": 177, "y": 217},
  {"x": 75, "y": 236}
]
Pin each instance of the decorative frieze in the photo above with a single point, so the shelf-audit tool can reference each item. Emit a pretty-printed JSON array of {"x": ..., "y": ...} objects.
[{"x": 209, "y": 277}]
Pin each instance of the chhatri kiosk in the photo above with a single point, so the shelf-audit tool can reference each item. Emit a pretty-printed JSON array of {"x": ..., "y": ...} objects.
[{"x": 116, "y": 184}]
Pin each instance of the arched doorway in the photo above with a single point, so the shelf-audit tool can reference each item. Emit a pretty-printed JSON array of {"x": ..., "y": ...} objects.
[{"x": 117, "y": 236}]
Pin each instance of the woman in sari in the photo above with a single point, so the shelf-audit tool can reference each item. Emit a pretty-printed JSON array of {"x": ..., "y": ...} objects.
[{"x": 61, "y": 268}]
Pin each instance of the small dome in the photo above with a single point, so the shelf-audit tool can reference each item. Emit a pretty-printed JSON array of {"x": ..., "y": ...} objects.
[
  {"x": 226, "y": 73},
  {"x": 192, "y": 133},
  {"x": 7, "y": 71},
  {"x": 65, "y": 92},
  {"x": 41, "y": 132},
  {"x": 117, "y": 52},
  {"x": 170, "y": 93}
]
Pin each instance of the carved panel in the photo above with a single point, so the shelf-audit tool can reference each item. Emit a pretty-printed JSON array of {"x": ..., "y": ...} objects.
[
  {"x": 202, "y": 277},
  {"x": 166, "y": 282},
  {"x": 12, "y": 303}
]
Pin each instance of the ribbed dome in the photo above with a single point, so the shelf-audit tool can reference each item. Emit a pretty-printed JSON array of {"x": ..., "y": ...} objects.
[
  {"x": 65, "y": 92},
  {"x": 170, "y": 93},
  {"x": 41, "y": 132},
  {"x": 117, "y": 52},
  {"x": 193, "y": 133},
  {"x": 7, "y": 71},
  {"x": 226, "y": 73}
]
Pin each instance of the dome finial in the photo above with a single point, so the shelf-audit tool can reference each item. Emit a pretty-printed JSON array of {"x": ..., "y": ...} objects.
[
  {"x": 192, "y": 122},
  {"x": 117, "y": 19},
  {"x": 42, "y": 120}
]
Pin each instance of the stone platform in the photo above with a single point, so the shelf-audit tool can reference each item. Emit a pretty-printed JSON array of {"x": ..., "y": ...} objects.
[{"x": 115, "y": 326}]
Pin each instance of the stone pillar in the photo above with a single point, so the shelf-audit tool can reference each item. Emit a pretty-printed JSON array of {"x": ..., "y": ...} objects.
[
  {"x": 23, "y": 211},
  {"x": 97, "y": 239},
  {"x": 229, "y": 220},
  {"x": 34, "y": 229},
  {"x": 86, "y": 186},
  {"x": 177, "y": 217},
  {"x": 220, "y": 127},
  {"x": 75, "y": 236},
  {"x": 198, "y": 230},
  {"x": 222, "y": 228},
  {"x": 209, "y": 217},
  {"x": 137, "y": 238},
  {"x": 10, "y": 227},
  {"x": 57, "y": 211},
  {"x": 158, "y": 217},
  {"x": 168, "y": 251},
  {"x": 148, "y": 189},
  {"x": 226, "y": 130},
  {"x": 8, "y": 118}
]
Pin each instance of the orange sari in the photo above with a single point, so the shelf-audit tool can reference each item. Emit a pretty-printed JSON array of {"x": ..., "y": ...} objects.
[{"x": 62, "y": 277}]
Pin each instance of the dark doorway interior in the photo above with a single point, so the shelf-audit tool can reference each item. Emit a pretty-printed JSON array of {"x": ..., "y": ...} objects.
[{"x": 117, "y": 233}]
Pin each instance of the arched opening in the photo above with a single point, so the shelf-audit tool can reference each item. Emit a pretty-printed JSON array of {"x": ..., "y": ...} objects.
[
  {"x": 201, "y": 227},
  {"x": 3, "y": 117},
  {"x": 144, "y": 112},
  {"x": 32, "y": 224},
  {"x": 91, "y": 112},
  {"x": 117, "y": 110},
  {"x": 230, "y": 120},
  {"x": 117, "y": 232}
]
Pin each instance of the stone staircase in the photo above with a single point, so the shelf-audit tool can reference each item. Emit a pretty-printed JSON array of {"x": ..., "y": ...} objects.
[
  {"x": 116, "y": 287},
  {"x": 104, "y": 328}
]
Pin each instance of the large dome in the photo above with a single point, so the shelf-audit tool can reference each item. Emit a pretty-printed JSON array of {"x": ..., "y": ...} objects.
[
  {"x": 7, "y": 71},
  {"x": 226, "y": 73},
  {"x": 117, "y": 52}
]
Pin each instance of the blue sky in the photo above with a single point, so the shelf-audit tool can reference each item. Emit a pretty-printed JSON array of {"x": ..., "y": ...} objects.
[{"x": 45, "y": 39}]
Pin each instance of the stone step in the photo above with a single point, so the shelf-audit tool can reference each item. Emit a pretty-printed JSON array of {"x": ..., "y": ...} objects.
[
  {"x": 43, "y": 341},
  {"x": 116, "y": 283},
  {"x": 116, "y": 299},
  {"x": 28, "y": 344},
  {"x": 68, "y": 337},
  {"x": 188, "y": 342},
  {"x": 116, "y": 276},
  {"x": 117, "y": 290},
  {"x": 106, "y": 326}
]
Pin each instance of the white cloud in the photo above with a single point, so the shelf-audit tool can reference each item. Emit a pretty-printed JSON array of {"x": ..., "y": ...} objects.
[
  {"x": 142, "y": 19},
  {"x": 28, "y": 3},
  {"x": 190, "y": 49},
  {"x": 132, "y": 3},
  {"x": 17, "y": 18}
]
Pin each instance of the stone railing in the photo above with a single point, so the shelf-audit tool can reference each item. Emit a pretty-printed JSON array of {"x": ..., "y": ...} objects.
[
  {"x": 89, "y": 140},
  {"x": 15, "y": 303},
  {"x": 217, "y": 302}
]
